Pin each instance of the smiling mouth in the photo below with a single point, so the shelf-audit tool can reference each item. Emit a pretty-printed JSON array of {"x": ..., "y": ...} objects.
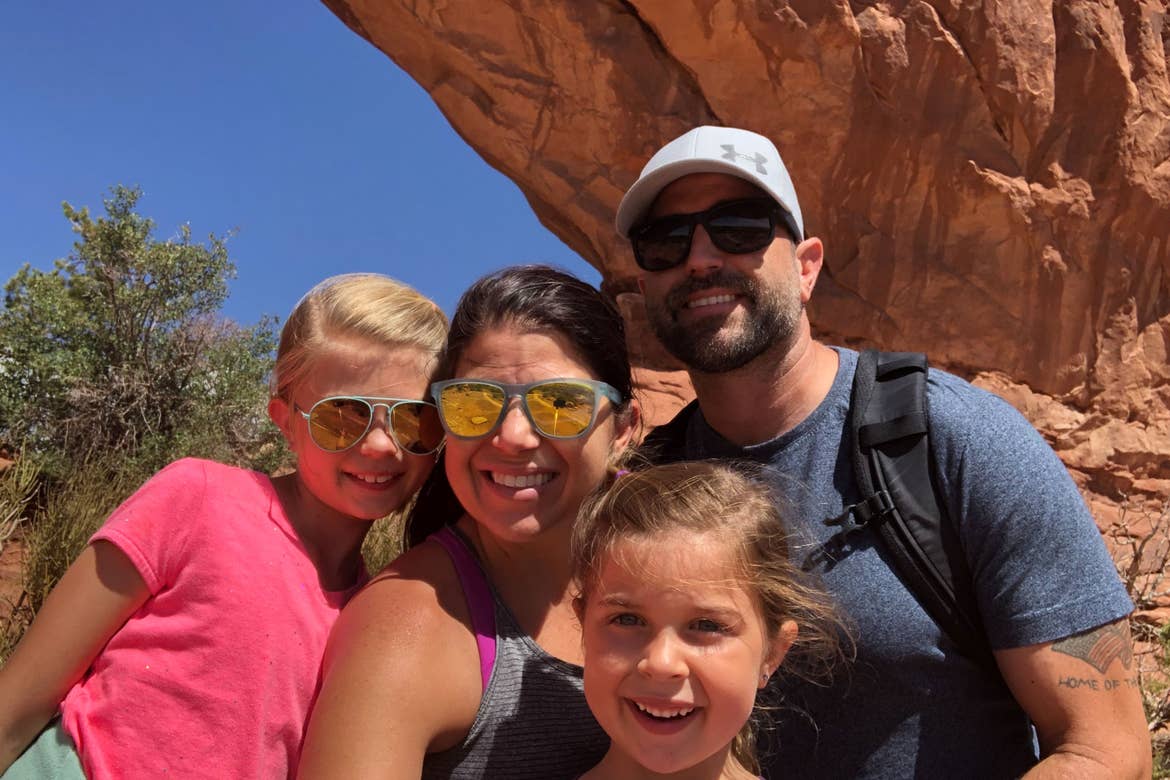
[
  {"x": 521, "y": 480},
  {"x": 664, "y": 713},
  {"x": 709, "y": 301},
  {"x": 374, "y": 479}
]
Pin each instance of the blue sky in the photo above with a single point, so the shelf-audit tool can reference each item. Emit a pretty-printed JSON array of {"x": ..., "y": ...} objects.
[{"x": 271, "y": 119}]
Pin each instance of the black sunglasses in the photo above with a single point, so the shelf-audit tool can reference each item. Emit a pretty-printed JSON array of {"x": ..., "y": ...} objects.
[{"x": 735, "y": 226}]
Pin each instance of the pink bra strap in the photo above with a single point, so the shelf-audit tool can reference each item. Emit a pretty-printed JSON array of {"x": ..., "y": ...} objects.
[{"x": 479, "y": 597}]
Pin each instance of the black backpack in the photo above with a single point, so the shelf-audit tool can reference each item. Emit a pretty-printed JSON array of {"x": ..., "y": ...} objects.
[{"x": 888, "y": 432}]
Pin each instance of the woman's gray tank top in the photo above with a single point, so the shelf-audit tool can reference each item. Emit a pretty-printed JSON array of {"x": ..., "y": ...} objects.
[{"x": 532, "y": 722}]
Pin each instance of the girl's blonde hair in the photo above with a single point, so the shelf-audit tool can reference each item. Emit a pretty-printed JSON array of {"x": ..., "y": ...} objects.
[
  {"x": 709, "y": 497},
  {"x": 371, "y": 307}
]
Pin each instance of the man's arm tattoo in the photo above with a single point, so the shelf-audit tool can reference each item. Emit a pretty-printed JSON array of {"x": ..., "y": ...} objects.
[{"x": 1099, "y": 647}]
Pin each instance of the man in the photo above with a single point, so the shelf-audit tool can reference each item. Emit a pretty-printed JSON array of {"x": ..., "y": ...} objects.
[{"x": 726, "y": 274}]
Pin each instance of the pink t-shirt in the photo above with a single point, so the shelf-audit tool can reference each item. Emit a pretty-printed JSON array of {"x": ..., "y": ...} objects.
[{"x": 215, "y": 675}]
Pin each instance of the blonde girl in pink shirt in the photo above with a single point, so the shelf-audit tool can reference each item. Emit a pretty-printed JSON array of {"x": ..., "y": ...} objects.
[{"x": 186, "y": 639}]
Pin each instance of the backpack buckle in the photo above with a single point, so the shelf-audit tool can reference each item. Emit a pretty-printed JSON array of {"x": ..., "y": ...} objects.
[{"x": 858, "y": 516}]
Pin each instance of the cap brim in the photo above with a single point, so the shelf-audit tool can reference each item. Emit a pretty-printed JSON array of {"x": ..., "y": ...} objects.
[{"x": 639, "y": 198}]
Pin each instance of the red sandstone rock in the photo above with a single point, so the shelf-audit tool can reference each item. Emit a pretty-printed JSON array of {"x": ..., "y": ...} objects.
[{"x": 991, "y": 179}]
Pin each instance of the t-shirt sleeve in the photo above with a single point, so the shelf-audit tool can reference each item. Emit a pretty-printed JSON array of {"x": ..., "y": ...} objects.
[
  {"x": 1040, "y": 566},
  {"x": 154, "y": 526}
]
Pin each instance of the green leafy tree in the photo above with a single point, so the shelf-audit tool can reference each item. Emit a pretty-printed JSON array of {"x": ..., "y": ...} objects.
[{"x": 121, "y": 348}]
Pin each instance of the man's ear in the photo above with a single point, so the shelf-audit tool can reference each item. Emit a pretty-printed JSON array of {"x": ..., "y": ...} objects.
[
  {"x": 641, "y": 285},
  {"x": 810, "y": 257}
]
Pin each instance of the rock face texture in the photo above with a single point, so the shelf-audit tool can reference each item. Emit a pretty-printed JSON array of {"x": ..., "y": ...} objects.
[{"x": 991, "y": 179}]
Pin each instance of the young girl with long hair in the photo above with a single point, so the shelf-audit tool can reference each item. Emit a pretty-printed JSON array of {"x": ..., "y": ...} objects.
[
  {"x": 186, "y": 639},
  {"x": 689, "y": 604}
]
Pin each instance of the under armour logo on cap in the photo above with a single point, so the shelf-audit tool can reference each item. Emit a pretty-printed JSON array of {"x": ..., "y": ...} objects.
[
  {"x": 729, "y": 153},
  {"x": 712, "y": 149}
]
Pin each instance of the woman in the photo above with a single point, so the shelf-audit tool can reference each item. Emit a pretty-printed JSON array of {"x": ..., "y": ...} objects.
[{"x": 462, "y": 658}]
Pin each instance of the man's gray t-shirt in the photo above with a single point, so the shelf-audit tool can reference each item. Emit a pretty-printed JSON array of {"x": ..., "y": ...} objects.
[{"x": 912, "y": 705}]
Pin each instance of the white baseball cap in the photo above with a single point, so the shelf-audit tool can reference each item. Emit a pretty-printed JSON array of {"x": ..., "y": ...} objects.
[{"x": 708, "y": 149}]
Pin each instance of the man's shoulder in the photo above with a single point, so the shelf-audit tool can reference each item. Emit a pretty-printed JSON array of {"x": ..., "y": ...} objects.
[
  {"x": 959, "y": 408},
  {"x": 955, "y": 405},
  {"x": 667, "y": 442}
]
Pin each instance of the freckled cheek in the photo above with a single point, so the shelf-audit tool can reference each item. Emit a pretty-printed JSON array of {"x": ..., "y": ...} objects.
[
  {"x": 604, "y": 682},
  {"x": 738, "y": 692},
  {"x": 609, "y": 660},
  {"x": 612, "y": 656},
  {"x": 589, "y": 462},
  {"x": 458, "y": 454},
  {"x": 458, "y": 464}
]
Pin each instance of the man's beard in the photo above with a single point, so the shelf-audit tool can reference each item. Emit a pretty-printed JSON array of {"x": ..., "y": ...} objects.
[{"x": 771, "y": 316}]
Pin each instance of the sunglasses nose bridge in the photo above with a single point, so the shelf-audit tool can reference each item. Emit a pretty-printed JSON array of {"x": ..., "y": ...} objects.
[
  {"x": 379, "y": 418},
  {"x": 515, "y": 429},
  {"x": 703, "y": 253},
  {"x": 380, "y": 421}
]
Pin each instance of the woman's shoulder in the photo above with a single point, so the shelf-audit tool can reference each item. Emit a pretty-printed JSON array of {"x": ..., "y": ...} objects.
[
  {"x": 405, "y": 637},
  {"x": 416, "y": 598},
  {"x": 425, "y": 562}
]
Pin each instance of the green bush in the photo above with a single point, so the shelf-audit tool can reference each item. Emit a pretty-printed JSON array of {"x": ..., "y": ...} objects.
[
  {"x": 113, "y": 364},
  {"x": 121, "y": 348}
]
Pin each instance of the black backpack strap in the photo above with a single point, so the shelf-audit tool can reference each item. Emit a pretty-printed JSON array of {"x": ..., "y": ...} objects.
[
  {"x": 889, "y": 435},
  {"x": 667, "y": 442}
]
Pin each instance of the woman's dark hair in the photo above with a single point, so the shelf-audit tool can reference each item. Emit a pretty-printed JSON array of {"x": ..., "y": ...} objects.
[{"x": 534, "y": 298}]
